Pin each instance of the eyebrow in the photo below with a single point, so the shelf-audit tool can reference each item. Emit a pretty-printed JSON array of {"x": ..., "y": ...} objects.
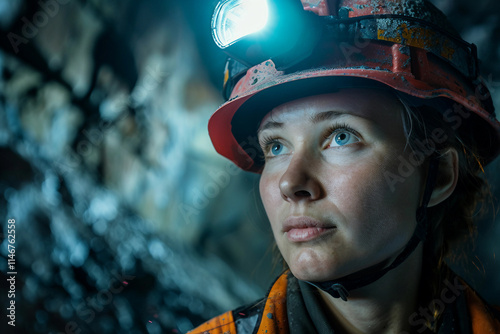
[
  {"x": 325, "y": 116},
  {"x": 317, "y": 118}
]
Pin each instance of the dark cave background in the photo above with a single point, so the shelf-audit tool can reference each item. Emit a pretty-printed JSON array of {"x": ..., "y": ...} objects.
[{"x": 127, "y": 221}]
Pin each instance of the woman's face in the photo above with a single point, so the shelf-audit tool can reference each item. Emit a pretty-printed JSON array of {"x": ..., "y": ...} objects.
[{"x": 328, "y": 184}]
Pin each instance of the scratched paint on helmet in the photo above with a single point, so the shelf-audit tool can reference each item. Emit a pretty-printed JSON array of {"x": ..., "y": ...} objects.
[
  {"x": 320, "y": 7},
  {"x": 415, "y": 36}
]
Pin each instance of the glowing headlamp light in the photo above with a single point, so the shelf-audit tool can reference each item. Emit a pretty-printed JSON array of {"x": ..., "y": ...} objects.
[
  {"x": 235, "y": 19},
  {"x": 252, "y": 31}
]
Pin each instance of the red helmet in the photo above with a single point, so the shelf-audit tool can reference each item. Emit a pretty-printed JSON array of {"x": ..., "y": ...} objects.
[{"x": 407, "y": 45}]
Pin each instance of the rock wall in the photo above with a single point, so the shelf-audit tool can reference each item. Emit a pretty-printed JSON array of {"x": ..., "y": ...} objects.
[{"x": 125, "y": 216}]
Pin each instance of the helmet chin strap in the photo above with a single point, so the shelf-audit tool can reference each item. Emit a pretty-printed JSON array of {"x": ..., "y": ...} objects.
[{"x": 340, "y": 288}]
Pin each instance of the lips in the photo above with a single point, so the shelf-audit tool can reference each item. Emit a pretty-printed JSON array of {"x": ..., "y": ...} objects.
[{"x": 303, "y": 228}]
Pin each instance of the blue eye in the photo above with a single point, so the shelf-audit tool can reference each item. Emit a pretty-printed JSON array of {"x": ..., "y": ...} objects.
[
  {"x": 343, "y": 138},
  {"x": 272, "y": 147},
  {"x": 276, "y": 148},
  {"x": 339, "y": 135}
]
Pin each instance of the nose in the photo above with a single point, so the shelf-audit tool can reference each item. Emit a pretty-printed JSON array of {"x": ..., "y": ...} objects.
[{"x": 299, "y": 182}]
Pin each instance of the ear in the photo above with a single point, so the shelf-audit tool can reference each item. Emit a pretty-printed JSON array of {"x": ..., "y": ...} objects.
[{"x": 447, "y": 177}]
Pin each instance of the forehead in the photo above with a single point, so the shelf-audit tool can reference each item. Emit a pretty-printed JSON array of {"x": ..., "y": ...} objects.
[{"x": 373, "y": 104}]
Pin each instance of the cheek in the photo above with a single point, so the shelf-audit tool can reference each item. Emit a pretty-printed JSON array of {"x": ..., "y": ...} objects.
[
  {"x": 270, "y": 195},
  {"x": 375, "y": 213}
]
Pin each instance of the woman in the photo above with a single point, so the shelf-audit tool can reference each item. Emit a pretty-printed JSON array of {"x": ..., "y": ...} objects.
[{"x": 369, "y": 161}]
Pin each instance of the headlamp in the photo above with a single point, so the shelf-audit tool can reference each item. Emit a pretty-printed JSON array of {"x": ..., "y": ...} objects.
[
  {"x": 252, "y": 31},
  {"x": 235, "y": 19}
]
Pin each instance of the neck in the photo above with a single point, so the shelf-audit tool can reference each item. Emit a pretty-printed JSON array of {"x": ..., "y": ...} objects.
[{"x": 384, "y": 306}]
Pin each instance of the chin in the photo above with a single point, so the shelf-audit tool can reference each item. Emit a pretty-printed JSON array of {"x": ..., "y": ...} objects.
[
  {"x": 316, "y": 266},
  {"x": 313, "y": 273}
]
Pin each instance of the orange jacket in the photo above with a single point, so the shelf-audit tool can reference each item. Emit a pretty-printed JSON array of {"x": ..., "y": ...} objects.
[{"x": 273, "y": 317}]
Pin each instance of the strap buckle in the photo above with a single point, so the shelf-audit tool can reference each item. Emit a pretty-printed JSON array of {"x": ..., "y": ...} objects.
[{"x": 337, "y": 290}]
